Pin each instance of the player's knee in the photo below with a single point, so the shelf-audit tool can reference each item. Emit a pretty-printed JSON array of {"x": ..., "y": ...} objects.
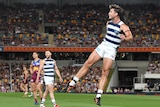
[
  {"x": 88, "y": 63},
  {"x": 39, "y": 89},
  {"x": 105, "y": 72},
  {"x": 50, "y": 90},
  {"x": 34, "y": 89}
]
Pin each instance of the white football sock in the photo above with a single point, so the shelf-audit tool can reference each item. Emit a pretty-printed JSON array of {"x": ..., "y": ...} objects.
[
  {"x": 99, "y": 93},
  {"x": 73, "y": 82}
]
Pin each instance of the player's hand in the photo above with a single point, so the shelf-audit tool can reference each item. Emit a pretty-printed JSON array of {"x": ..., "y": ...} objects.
[
  {"x": 122, "y": 37},
  {"x": 60, "y": 80},
  {"x": 37, "y": 80}
]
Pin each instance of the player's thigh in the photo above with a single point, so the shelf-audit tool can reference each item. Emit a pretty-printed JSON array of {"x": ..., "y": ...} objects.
[
  {"x": 107, "y": 64},
  {"x": 39, "y": 86},
  {"x": 21, "y": 85},
  {"x": 26, "y": 86},
  {"x": 50, "y": 87},
  {"x": 33, "y": 86},
  {"x": 93, "y": 58}
]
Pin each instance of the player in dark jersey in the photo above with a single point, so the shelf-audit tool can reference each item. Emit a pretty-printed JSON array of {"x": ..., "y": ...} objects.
[
  {"x": 34, "y": 69},
  {"x": 24, "y": 81}
]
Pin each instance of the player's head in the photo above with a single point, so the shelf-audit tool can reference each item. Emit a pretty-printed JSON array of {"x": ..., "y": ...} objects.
[
  {"x": 115, "y": 11},
  {"x": 35, "y": 55},
  {"x": 48, "y": 54}
]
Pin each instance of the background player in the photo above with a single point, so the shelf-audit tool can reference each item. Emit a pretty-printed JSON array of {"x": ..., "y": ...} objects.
[
  {"x": 24, "y": 83},
  {"x": 34, "y": 70},
  {"x": 49, "y": 67}
]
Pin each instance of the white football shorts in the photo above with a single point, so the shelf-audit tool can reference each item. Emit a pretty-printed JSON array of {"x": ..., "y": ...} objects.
[
  {"x": 48, "y": 80},
  {"x": 106, "y": 51}
]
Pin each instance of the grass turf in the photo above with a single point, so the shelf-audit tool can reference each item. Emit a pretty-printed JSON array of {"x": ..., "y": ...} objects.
[{"x": 82, "y": 100}]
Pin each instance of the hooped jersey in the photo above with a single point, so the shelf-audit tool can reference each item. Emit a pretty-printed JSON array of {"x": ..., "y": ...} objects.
[
  {"x": 49, "y": 67},
  {"x": 113, "y": 34}
]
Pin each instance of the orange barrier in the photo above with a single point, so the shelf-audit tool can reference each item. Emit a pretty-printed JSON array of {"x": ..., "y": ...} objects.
[
  {"x": 139, "y": 49},
  {"x": 42, "y": 49},
  {"x": 75, "y": 49}
]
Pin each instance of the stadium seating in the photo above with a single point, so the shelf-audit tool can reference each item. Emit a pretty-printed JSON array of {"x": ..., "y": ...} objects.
[{"x": 78, "y": 26}]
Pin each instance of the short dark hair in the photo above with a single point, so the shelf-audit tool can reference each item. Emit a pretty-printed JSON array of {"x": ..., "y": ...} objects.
[
  {"x": 36, "y": 53},
  {"x": 117, "y": 8}
]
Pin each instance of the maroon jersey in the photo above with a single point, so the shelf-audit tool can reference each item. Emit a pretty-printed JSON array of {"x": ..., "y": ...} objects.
[{"x": 35, "y": 65}]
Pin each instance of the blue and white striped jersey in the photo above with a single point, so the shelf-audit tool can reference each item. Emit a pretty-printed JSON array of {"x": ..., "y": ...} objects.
[
  {"x": 113, "y": 34},
  {"x": 49, "y": 67}
]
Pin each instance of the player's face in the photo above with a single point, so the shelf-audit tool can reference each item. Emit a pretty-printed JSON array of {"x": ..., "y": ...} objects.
[
  {"x": 48, "y": 54},
  {"x": 112, "y": 14},
  {"x": 35, "y": 55}
]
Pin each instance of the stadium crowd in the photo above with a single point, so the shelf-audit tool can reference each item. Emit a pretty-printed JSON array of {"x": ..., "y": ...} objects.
[
  {"x": 13, "y": 76},
  {"x": 75, "y": 25},
  {"x": 154, "y": 66}
]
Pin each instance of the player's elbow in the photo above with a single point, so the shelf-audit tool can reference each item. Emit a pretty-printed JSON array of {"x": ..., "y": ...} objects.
[{"x": 131, "y": 38}]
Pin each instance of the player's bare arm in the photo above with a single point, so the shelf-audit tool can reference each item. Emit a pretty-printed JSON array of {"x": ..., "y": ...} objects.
[
  {"x": 58, "y": 72},
  {"x": 26, "y": 76},
  {"x": 127, "y": 36},
  {"x": 40, "y": 69},
  {"x": 31, "y": 68}
]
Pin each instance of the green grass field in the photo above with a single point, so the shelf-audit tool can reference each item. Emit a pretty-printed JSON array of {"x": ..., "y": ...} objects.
[{"x": 82, "y": 100}]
